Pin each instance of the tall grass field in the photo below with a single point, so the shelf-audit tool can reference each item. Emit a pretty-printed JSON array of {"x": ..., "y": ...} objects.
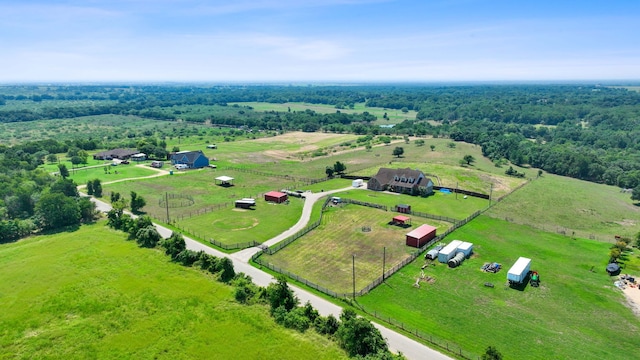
[{"x": 90, "y": 294}]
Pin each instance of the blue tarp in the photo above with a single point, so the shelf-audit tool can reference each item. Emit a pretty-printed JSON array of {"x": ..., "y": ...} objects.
[{"x": 445, "y": 191}]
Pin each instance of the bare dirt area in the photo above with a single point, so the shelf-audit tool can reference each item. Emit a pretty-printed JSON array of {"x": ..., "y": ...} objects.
[
  {"x": 633, "y": 298},
  {"x": 299, "y": 137}
]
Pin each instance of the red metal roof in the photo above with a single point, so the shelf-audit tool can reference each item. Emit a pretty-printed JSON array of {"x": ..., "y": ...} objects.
[
  {"x": 421, "y": 231},
  {"x": 401, "y": 218},
  {"x": 276, "y": 194}
]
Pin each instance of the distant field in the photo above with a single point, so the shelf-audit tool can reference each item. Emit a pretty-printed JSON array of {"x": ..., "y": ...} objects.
[
  {"x": 92, "y": 294},
  {"x": 324, "y": 256},
  {"x": 568, "y": 317},
  {"x": 395, "y": 116},
  {"x": 555, "y": 203}
]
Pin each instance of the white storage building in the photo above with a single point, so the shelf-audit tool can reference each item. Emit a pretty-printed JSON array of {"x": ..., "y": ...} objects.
[
  {"x": 466, "y": 248},
  {"x": 449, "y": 251},
  {"x": 519, "y": 271}
]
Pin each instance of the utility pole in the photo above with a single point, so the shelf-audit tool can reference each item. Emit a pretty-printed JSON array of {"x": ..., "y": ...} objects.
[
  {"x": 490, "y": 193},
  {"x": 353, "y": 262},
  {"x": 384, "y": 260},
  {"x": 456, "y": 190},
  {"x": 166, "y": 204}
]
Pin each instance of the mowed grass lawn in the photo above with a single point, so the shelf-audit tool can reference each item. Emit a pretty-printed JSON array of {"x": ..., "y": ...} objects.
[
  {"x": 231, "y": 226},
  {"x": 113, "y": 173},
  {"x": 556, "y": 203},
  {"x": 92, "y": 294},
  {"x": 324, "y": 256},
  {"x": 574, "y": 314}
]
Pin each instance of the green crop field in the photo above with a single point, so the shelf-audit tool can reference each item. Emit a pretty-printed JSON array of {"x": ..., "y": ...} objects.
[
  {"x": 324, "y": 256},
  {"x": 576, "y": 313},
  {"x": 92, "y": 294},
  {"x": 577, "y": 208}
]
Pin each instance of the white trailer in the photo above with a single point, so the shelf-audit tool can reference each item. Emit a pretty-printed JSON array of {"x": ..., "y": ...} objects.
[
  {"x": 519, "y": 271},
  {"x": 466, "y": 248},
  {"x": 357, "y": 183},
  {"x": 449, "y": 251}
]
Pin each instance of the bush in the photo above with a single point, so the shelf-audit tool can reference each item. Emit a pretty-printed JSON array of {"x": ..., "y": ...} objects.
[
  {"x": 174, "y": 245},
  {"x": 326, "y": 325}
]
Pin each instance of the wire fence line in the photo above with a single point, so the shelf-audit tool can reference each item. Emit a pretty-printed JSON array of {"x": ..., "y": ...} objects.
[{"x": 306, "y": 181}]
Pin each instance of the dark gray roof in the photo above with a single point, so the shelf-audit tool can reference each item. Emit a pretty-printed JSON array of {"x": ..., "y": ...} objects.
[
  {"x": 401, "y": 177},
  {"x": 115, "y": 153},
  {"x": 190, "y": 156}
]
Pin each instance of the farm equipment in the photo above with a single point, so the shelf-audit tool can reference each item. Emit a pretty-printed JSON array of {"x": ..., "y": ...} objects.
[
  {"x": 535, "y": 279},
  {"x": 491, "y": 267}
]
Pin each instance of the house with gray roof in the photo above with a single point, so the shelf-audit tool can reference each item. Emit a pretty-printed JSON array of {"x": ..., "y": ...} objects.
[
  {"x": 403, "y": 181},
  {"x": 121, "y": 154}
]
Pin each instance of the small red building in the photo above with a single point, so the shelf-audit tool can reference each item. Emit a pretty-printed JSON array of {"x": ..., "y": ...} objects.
[
  {"x": 401, "y": 220},
  {"x": 276, "y": 197},
  {"x": 403, "y": 208},
  {"x": 421, "y": 235}
]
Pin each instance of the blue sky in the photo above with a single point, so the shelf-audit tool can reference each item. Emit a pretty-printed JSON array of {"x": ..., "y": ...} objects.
[{"x": 321, "y": 41}]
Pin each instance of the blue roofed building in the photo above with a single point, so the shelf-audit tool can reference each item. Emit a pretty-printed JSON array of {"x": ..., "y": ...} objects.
[{"x": 193, "y": 159}]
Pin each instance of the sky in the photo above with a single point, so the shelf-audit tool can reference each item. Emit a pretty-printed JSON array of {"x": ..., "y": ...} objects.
[{"x": 318, "y": 40}]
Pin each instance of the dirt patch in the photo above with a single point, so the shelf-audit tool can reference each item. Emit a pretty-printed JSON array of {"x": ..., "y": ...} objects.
[
  {"x": 626, "y": 222},
  {"x": 299, "y": 137},
  {"x": 633, "y": 298}
]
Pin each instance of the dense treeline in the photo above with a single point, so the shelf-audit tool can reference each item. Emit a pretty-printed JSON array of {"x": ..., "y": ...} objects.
[{"x": 584, "y": 131}]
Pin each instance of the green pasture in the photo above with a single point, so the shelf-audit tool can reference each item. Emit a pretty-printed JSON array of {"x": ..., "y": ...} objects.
[
  {"x": 90, "y": 294},
  {"x": 437, "y": 204},
  {"x": 324, "y": 256},
  {"x": 198, "y": 184},
  {"x": 271, "y": 154},
  {"x": 576, "y": 313},
  {"x": 395, "y": 116},
  {"x": 577, "y": 208},
  {"x": 231, "y": 226},
  {"x": 112, "y": 173},
  {"x": 63, "y": 160},
  {"x": 97, "y": 127},
  {"x": 116, "y": 128}
]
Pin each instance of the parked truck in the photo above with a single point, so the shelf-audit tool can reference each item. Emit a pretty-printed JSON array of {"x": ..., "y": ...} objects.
[{"x": 519, "y": 271}]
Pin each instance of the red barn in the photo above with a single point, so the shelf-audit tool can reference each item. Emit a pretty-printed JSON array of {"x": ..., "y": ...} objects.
[
  {"x": 276, "y": 197},
  {"x": 421, "y": 235}
]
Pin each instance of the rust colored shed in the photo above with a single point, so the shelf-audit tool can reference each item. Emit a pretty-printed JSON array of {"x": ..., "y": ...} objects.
[
  {"x": 421, "y": 235},
  {"x": 276, "y": 197},
  {"x": 403, "y": 208},
  {"x": 401, "y": 220}
]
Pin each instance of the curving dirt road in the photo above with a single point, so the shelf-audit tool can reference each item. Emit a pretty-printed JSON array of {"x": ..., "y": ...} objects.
[{"x": 397, "y": 342}]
